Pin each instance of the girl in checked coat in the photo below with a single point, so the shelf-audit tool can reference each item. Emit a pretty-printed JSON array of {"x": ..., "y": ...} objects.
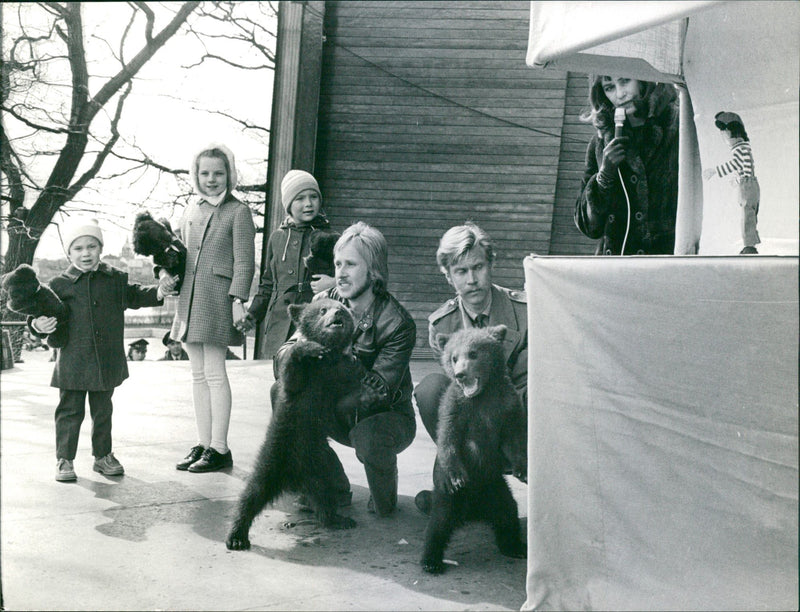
[{"x": 219, "y": 235}]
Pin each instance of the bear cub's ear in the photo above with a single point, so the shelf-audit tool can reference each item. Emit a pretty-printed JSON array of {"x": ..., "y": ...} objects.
[
  {"x": 441, "y": 340},
  {"x": 498, "y": 332},
  {"x": 295, "y": 312}
]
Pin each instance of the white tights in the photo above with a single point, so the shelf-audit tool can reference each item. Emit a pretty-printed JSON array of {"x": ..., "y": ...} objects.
[{"x": 211, "y": 392}]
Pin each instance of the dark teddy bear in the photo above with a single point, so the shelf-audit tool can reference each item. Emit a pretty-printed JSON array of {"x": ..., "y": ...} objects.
[
  {"x": 315, "y": 373},
  {"x": 482, "y": 428},
  {"x": 320, "y": 257},
  {"x": 156, "y": 239},
  {"x": 26, "y": 295}
]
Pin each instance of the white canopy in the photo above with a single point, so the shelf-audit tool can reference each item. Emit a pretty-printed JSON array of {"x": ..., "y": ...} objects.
[{"x": 742, "y": 57}]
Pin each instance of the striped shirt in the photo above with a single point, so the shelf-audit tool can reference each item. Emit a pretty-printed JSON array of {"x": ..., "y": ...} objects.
[{"x": 741, "y": 163}]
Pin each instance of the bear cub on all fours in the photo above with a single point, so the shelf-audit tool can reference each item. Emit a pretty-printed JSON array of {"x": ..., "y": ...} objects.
[
  {"x": 315, "y": 373},
  {"x": 482, "y": 430}
]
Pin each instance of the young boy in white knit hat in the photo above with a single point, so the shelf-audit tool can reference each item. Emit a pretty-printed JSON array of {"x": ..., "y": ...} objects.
[
  {"x": 91, "y": 356},
  {"x": 284, "y": 280}
]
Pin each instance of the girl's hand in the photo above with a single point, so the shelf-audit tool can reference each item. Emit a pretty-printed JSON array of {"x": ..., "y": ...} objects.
[
  {"x": 44, "y": 325},
  {"x": 614, "y": 155},
  {"x": 709, "y": 173},
  {"x": 246, "y": 323},
  {"x": 321, "y": 282},
  {"x": 238, "y": 312}
]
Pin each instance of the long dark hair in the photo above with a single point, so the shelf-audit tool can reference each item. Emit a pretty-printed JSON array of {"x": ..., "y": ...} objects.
[{"x": 600, "y": 112}]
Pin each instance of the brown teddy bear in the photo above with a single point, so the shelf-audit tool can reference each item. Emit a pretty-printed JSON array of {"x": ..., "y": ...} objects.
[
  {"x": 156, "y": 239},
  {"x": 26, "y": 295}
]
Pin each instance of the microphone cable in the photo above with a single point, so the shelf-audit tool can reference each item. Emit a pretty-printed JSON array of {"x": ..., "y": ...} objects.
[{"x": 628, "y": 219}]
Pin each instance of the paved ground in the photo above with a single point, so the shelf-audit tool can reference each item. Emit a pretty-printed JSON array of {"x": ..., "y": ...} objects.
[{"x": 154, "y": 538}]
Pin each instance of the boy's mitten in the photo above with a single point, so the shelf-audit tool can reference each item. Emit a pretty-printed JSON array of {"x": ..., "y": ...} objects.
[{"x": 156, "y": 239}]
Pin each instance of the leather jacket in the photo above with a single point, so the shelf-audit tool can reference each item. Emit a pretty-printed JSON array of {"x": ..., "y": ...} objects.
[{"x": 383, "y": 341}]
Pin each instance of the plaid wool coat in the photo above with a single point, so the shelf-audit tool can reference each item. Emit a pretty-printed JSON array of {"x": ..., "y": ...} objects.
[{"x": 220, "y": 263}]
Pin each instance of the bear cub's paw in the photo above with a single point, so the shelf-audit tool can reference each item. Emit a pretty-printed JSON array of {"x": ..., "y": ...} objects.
[
  {"x": 237, "y": 541},
  {"x": 433, "y": 567}
]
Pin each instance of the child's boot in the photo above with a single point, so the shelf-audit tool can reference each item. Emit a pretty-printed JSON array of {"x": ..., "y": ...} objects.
[
  {"x": 108, "y": 465},
  {"x": 64, "y": 471}
]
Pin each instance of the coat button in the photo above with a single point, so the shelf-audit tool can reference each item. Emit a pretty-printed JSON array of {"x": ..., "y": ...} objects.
[
  {"x": 294, "y": 242},
  {"x": 608, "y": 252},
  {"x": 290, "y": 272},
  {"x": 639, "y": 215},
  {"x": 640, "y": 252},
  {"x": 611, "y": 218},
  {"x": 634, "y": 179}
]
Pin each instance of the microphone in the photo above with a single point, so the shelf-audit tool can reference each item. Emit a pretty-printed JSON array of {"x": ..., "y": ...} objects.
[{"x": 619, "y": 121}]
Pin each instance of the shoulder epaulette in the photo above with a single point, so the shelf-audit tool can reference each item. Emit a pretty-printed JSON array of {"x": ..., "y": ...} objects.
[
  {"x": 445, "y": 309},
  {"x": 520, "y": 297}
]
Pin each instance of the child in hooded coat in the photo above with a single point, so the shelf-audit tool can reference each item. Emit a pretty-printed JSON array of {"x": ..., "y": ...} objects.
[{"x": 284, "y": 280}]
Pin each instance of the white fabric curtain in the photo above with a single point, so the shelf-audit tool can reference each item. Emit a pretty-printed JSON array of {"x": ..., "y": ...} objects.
[{"x": 640, "y": 39}]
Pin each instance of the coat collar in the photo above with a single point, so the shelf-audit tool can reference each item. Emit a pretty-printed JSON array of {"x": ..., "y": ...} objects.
[
  {"x": 319, "y": 222},
  {"x": 73, "y": 273}
]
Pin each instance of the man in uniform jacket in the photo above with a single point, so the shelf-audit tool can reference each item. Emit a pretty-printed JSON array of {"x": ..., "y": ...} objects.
[{"x": 465, "y": 256}]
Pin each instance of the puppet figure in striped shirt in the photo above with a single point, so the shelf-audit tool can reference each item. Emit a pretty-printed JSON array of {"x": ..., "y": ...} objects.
[{"x": 742, "y": 170}]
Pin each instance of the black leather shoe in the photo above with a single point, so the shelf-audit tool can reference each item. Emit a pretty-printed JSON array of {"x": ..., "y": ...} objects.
[
  {"x": 423, "y": 502},
  {"x": 211, "y": 461},
  {"x": 194, "y": 455}
]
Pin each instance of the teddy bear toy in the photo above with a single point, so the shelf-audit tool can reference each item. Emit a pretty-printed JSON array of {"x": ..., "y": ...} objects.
[
  {"x": 156, "y": 239},
  {"x": 26, "y": 295},
  {"x": 320, "y": 257}
]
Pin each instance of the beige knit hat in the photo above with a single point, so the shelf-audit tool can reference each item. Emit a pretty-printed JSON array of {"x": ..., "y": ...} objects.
[
  {"x": 80, "y": 227},
  {"x": 293, "y": 183}
]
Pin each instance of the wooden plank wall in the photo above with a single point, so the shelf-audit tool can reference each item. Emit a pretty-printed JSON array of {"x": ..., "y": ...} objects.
[
  {"x": 430, "y": 117},
  {"x": 566, "y": 238}
]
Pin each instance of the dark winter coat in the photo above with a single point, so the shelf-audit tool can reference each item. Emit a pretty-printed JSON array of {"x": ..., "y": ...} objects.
[
  {"x": 650, "y": 172},
  {"x": 93, "y": 357},
  {"x": 220, "y": 264},
  {"x": 284, "y": 281}
]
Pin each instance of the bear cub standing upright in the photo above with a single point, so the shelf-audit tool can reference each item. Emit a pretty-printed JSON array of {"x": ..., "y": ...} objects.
[
  {"x": 315, "y": 373},
  {"x": 482, "y": 429}
]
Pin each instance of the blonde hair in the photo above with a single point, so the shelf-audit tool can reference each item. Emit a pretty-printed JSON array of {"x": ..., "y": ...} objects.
[
  {"x": 371, "y": 245},
  {"x": 458, "y": 241}
]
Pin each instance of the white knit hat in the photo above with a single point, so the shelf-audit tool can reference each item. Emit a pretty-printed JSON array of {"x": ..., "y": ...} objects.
[
  {"x": 293, "y": 183},
  {"x": 232, "y": 176},
  {"x": 80, "y": 227}
]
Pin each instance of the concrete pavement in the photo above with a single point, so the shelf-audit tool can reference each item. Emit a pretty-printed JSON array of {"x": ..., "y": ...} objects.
[{"x": 153, "y": 539}]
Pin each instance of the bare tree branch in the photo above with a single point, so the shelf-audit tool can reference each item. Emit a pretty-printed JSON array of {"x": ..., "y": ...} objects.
[{"x": 148, "y": 30}]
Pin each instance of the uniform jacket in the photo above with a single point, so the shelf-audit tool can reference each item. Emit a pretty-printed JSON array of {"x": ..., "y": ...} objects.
[
  {"x": 220, "y": 263},
  {"x": 650, "y": 172},
  {"x": 93, "y": 357},
  {"x": 383, "y": 342},
  {"x": 283, "y": 282},
  {"x": 509, "y": 308}
]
